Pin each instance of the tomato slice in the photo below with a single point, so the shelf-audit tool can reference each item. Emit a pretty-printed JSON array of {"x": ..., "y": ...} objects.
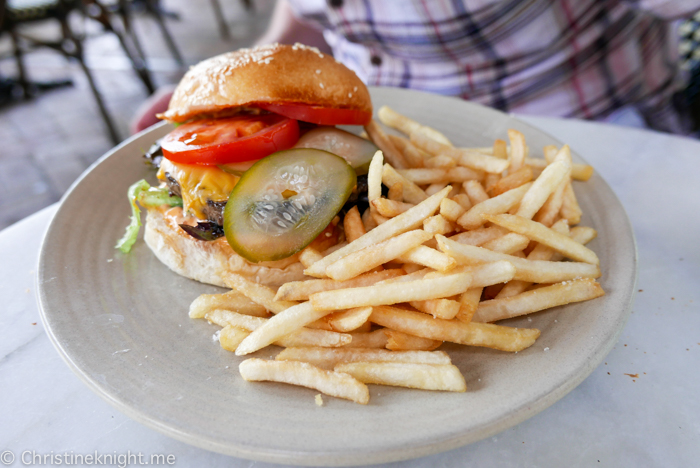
[
  {"x": 320, "y": 115},
  {"x": 230, "y": 140}
]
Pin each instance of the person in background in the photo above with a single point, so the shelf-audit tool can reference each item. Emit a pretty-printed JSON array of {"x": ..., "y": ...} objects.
[{"x": 608, "y": 60}]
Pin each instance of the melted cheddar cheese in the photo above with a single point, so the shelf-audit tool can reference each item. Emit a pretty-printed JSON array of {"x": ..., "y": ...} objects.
[{"x": 198, "y": 184}]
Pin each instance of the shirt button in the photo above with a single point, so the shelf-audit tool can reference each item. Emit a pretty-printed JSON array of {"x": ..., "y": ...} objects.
[
  {"x": 376, "y": 60},
  {"x": 336, "y": 3}
]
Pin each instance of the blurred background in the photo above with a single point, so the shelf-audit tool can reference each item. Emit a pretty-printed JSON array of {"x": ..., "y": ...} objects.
[
  {"x": 46, "y": 142},
  {"x": 121, "y": 51}
]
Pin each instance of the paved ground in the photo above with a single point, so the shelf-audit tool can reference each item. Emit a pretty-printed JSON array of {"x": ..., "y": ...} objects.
[{"x": 46, "y": 143}]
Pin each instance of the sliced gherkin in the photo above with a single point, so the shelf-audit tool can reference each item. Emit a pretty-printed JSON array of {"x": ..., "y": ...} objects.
[
  {"x": 356, "y": 151},
  {"x": 284, "y": 201}
]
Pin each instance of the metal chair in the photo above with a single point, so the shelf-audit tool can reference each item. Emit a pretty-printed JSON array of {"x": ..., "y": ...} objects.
[{"x": 17, "y": 13}]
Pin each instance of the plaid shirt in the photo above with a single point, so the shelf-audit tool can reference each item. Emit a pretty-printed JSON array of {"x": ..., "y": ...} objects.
[{"x": 569, "y": 58}]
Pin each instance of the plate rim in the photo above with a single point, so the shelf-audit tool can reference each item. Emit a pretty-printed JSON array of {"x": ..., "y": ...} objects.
[{"x": 397, "y": 453}]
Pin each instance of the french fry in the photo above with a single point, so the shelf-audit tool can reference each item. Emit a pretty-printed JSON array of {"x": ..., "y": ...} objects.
[
  {"x": 539, "y": 299},
  {"x": 546, "y": 183},
  {"x": 352, "y": 225},
  {"x": 301, "y": 337},
  {"x": 375, "y": 255},
  {"x": 550, "y": 152},
  {"x": 411, "y": 192},
  {"x": 540, "y": 252},
  {"x": 367, "y": 221},
  {"x": 472, "y": 334},
  {"x": 231, "y": 336},
  {"x": 374, "y": 339},
  {"x": 549, "y": 212},
  {"x": 525, "y": 270},
  {"x": 414, "y": 275},
  {"x": 320, "y": 324},
  {"x": 477, "y": 193},
  {"x": 451, "y": 210},
  {"x": 391, "y": 154},
  {"x": 327, "y": 358},
  {"x": 435, "y": 188},
  {"x": 501, "y": 204},
  {"x": 468, "y": 303},
  {"x": 517, "y": 150},
  {"x": 374, "y": 177},
  {"x": 513, "y": 180},
  {"x": 484, "y": 274},
  {"x": 462, "y": 174},
  {"x": 507, "y": 244},
  {"x": 428, "y": 257},
  {"x": 348, "y": 320},
  {"x": 411, "y": 267},
  {"x": 232, "y": 300},
  {"x": 440, "y": 162},
  {"x": 480, "y": 235},
  {"x": 331, "y": 383},
  {"x": 257, "y": 293},
  {"x": 583, "y": 234},
  {"x": 437, "y": 225},
  {"x": 425, "y": 175},
  {"x": 439, "y": 308},
  {"x": 444, "y": 377},
  {"x": 284, "y": 323},
  {"x": 393, "y": 119},
  {"x": 390, "y": 208},
  {"x": 400, "y": 341},
  {"x": 464, "y": 200},
  {"x": 547, "y": 236},
  {"x": 581, "y": 172},
  {"x": 364, "y": 328},
  {"x": 395, "y": 192},
  {"x": 379, "y": 219},
  {"x": 499, "y": 149},
  {"x": 309, "y": 256},
  {"x": 464, "y": 157},
  {"x": 413, "y": 156},
  {"x": 406, "y": 221},
  {"x": 570, "y": 209},
  {"x": 392, "y": 293},
  {"x": 490, "y": 180},
  {"x": 301, "y": 290}
]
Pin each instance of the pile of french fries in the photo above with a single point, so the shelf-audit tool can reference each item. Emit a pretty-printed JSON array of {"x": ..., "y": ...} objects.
[{"x": 465, "y": 237}]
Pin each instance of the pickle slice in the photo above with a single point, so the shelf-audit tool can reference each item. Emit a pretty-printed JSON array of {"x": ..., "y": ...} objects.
[
  {"x": 357, "y": 151},
  {"x": 284, "y": 201}
]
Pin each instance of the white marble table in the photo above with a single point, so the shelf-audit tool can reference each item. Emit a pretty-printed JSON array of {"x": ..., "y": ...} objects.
[{"x": 612, "y": 419}]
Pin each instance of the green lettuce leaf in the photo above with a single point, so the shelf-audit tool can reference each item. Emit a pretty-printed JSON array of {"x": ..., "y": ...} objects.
[{"x": 146, "y": 196}]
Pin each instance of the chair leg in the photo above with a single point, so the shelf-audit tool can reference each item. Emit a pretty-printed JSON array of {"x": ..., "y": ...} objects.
[
  {"x": 21, "y": 70},
  {"x": 77, "y": 53},
  {"x": 109, "y": 123},
  {"x": 101, "y": 15},
  {"x": 155, "y": 10},
  {"x": 126, "y": 21},
  {"x": 220, "y": 19}
]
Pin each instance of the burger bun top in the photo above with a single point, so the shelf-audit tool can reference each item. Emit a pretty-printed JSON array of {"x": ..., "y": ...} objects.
[{"x": 275, "y": 74}]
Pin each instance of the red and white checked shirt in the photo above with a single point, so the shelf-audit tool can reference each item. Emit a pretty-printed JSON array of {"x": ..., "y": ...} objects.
[{"x": 569, "y": 58}]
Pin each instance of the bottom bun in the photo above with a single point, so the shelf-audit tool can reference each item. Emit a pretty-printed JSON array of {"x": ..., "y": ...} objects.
[{"x": 206, "y": 261}]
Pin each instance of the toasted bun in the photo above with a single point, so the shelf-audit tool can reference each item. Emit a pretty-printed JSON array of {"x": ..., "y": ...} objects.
[
  {"x": 205, "y": 261},
  {"x": 272, "y": 73}
]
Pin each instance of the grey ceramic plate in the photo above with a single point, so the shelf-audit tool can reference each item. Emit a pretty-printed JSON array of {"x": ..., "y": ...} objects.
[{"x": 120, "y": 322}]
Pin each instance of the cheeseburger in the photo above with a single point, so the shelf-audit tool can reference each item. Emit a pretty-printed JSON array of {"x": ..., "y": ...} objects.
[{"x": 254, "y": 170}]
